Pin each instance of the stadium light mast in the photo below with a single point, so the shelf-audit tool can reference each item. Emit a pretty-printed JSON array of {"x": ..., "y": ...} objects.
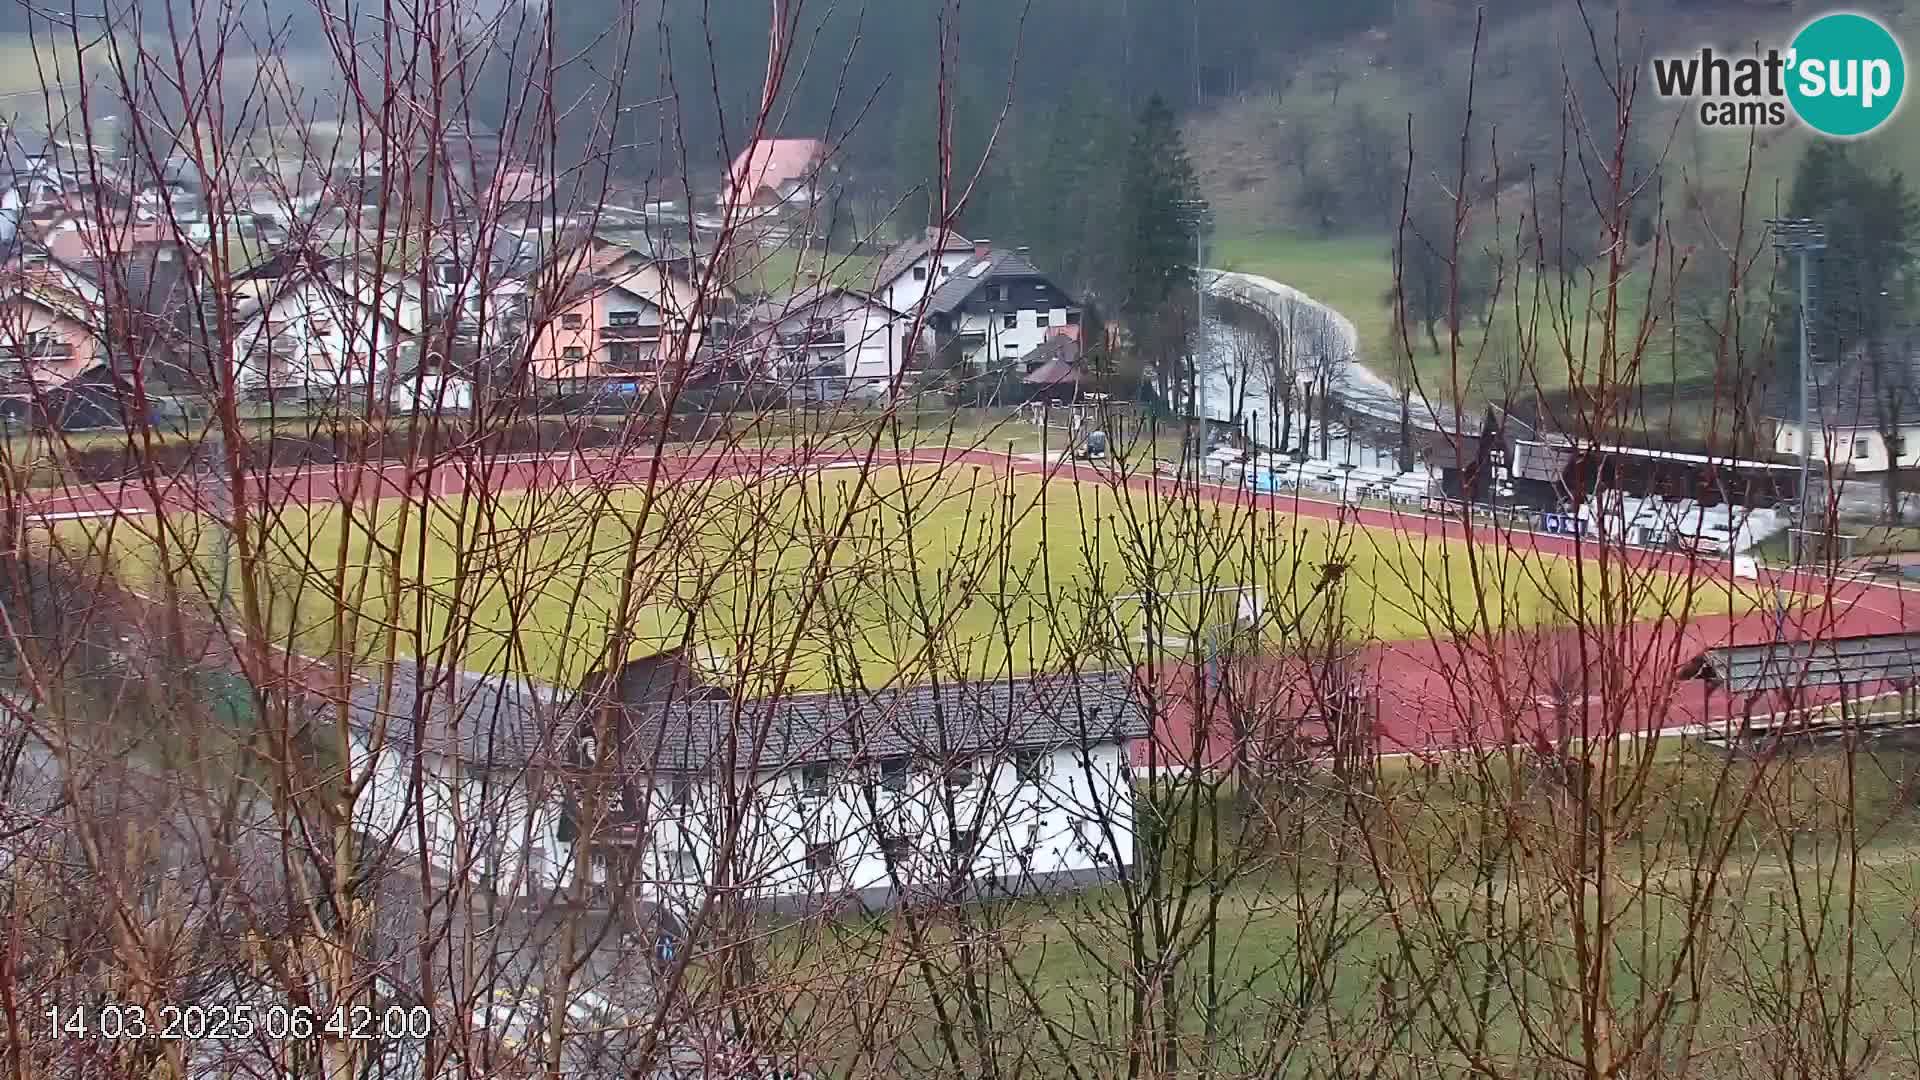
[
  {"x": 1200, "y": 216},
  {"x": 1800, "y": 237}
]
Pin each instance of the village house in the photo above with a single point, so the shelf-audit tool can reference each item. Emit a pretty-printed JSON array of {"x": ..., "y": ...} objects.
[
  {"x": 49, "y": 326},
  {"x": 1007, "y": 786},
  {"x": 480, "y": 282},
  {"x": 1866, "y": 416},
  {"x": 630, "y": 324},
  {"x": 1055, "y": 369},
  {"x": 915, "y": 267},
  {"x": 774, "y": 174},
  {"x": 490, "y": 801},
  {"x": 997, "y": 787},
  {"x": 523, "y": 194},
  {"x": 824, "y": 341},
  {"x": 996, "y": 307},
  {"x": 38, "y": 168},
  {"x": 149, "y": 273},
  {"x": 325, "y": 326}
]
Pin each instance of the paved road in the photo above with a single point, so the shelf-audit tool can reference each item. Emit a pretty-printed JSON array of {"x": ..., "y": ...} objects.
[{"x": 1320, "y": 330}]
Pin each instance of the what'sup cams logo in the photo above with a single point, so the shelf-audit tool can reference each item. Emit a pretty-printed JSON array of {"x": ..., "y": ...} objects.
[{"x": 1843, "y": 76}]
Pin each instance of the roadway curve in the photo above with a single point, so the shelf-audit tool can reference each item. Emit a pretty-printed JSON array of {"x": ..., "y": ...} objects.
[{"x": 1323, "y": 331}]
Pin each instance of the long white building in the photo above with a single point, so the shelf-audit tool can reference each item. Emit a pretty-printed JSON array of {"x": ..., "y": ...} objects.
[{"x": 964, "y": 789}]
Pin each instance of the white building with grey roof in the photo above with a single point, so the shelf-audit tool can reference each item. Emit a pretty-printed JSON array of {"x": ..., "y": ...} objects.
[
  {"x": 865, "y": 799},
  {"x": 994, "y": 308},
  {"x": 843, "y": 799},
  {"x": 462, "y": 763},
  {"x": 1864, "y": 411}
]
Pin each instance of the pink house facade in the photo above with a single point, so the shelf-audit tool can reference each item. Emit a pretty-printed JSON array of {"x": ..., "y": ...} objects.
[
  {"x": 46, "y": 340},
  {"x": 634, "y": 327}
]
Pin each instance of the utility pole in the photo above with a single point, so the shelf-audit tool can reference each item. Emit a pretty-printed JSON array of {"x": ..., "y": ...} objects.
[
  {"x": 1800, "y": 237},
  {"x": 220, "y": 501},
  {"x": 1201, "y": 217}
]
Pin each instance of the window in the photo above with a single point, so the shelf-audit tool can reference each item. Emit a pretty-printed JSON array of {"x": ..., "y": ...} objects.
[
  {"x": 1860, "y": 447},
  {"x": 1030, "y": 766},
  {"x": 894, "y": 847},
  {"x": 449, "y": 273},
  {"x": 1073, "y": 318},
  {"x": 919, "y": 273},
  {"x": 627, "y": 356},
  {"x": 623, "y": 318},
  {"x": 1040, "y": 318},
  {"x": 893, "y": 773},
  {"x": 1896, "y": 447},
  {"x": 322, "y": 327},
  {"x": 992, "y": 293},
  {"x": 573, "y": 352},
  {"x": 681, "y": 793},
  {"x": 821, "y": 857},
  {"x": 963, "y": 843},
  {"x": 814, "y": 779},
  {"x": 960, "y": 774},
  {"x": 1010, "y": 321},
  {"x": 572, "y": 321}
]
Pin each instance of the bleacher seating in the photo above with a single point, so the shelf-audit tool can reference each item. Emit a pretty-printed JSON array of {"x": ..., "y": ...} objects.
[{"x": 1361, "y": 474}]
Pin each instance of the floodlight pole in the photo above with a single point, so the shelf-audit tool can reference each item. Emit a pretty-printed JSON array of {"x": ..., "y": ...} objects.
[
  {"x": 1802, "y": 237},
  {"x": 1201, "y": 217}
]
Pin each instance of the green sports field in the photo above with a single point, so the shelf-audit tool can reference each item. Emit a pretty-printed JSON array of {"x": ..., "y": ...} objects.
[{"x": 964, "y": 572}]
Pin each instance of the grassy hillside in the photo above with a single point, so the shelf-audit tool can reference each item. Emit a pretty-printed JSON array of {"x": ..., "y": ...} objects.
[
  {"x": 1258, "y": 157},
  {"x": 38, "y": 80}
]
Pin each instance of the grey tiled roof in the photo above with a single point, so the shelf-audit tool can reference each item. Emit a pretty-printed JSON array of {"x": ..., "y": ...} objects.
[
  {"x": 786, "y": 305},
  {"x": 968, "y": 276},
  {"x": 1853, "y": 661},
  {"x": 1847, "y": 394},
  {"x": 951, "y": 721},
  {"x": 495, "y": 720},
  {"x": 908, "y": 252}
]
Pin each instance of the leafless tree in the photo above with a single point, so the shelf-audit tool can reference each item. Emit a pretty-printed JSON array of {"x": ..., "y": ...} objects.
[{"x": 719, "y": 735}]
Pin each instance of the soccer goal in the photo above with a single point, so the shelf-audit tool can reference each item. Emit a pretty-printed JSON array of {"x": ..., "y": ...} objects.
[
  {"x": 1817, "y": 546},
  {"x": 1175, "y": 620}
]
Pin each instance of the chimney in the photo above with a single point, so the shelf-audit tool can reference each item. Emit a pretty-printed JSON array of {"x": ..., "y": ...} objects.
[{"x": 982, "y": 248}]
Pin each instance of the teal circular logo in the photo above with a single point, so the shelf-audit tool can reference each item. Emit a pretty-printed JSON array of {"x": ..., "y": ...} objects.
[{"x": 1846, "y": 74}]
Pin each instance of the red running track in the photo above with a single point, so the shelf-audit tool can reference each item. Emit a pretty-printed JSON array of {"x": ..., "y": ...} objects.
[
  {"x": 360, "y": 482},
  {"x": 1420, "y": 681}
]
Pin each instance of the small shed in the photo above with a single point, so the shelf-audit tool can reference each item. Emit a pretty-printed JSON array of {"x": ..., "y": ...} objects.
[{"x": 1054, "y": 371}]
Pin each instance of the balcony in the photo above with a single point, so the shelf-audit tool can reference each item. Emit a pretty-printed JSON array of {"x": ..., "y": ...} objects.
[
  {"x": 38, "y": 350},
  {"x": 630, "y": 332},
  {"x": 630, "y": 360},
  {"x": 814, "y": 336}
]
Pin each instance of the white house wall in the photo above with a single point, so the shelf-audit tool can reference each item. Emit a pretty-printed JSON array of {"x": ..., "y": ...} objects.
[
  {"x": 1073, "y": 826},
  {"x": 483, "y": 825},
  {"x": 874, "y": 343},
  {"x": 904, "y": 293},
  {"x": 351, "y": 350},
  {"x": 1841, "y": 446},
  {"x": 1004, "y": 344}
]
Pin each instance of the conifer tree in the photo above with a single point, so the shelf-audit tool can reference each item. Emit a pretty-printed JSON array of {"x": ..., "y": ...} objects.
[{"x": 1160, "y": 208}]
